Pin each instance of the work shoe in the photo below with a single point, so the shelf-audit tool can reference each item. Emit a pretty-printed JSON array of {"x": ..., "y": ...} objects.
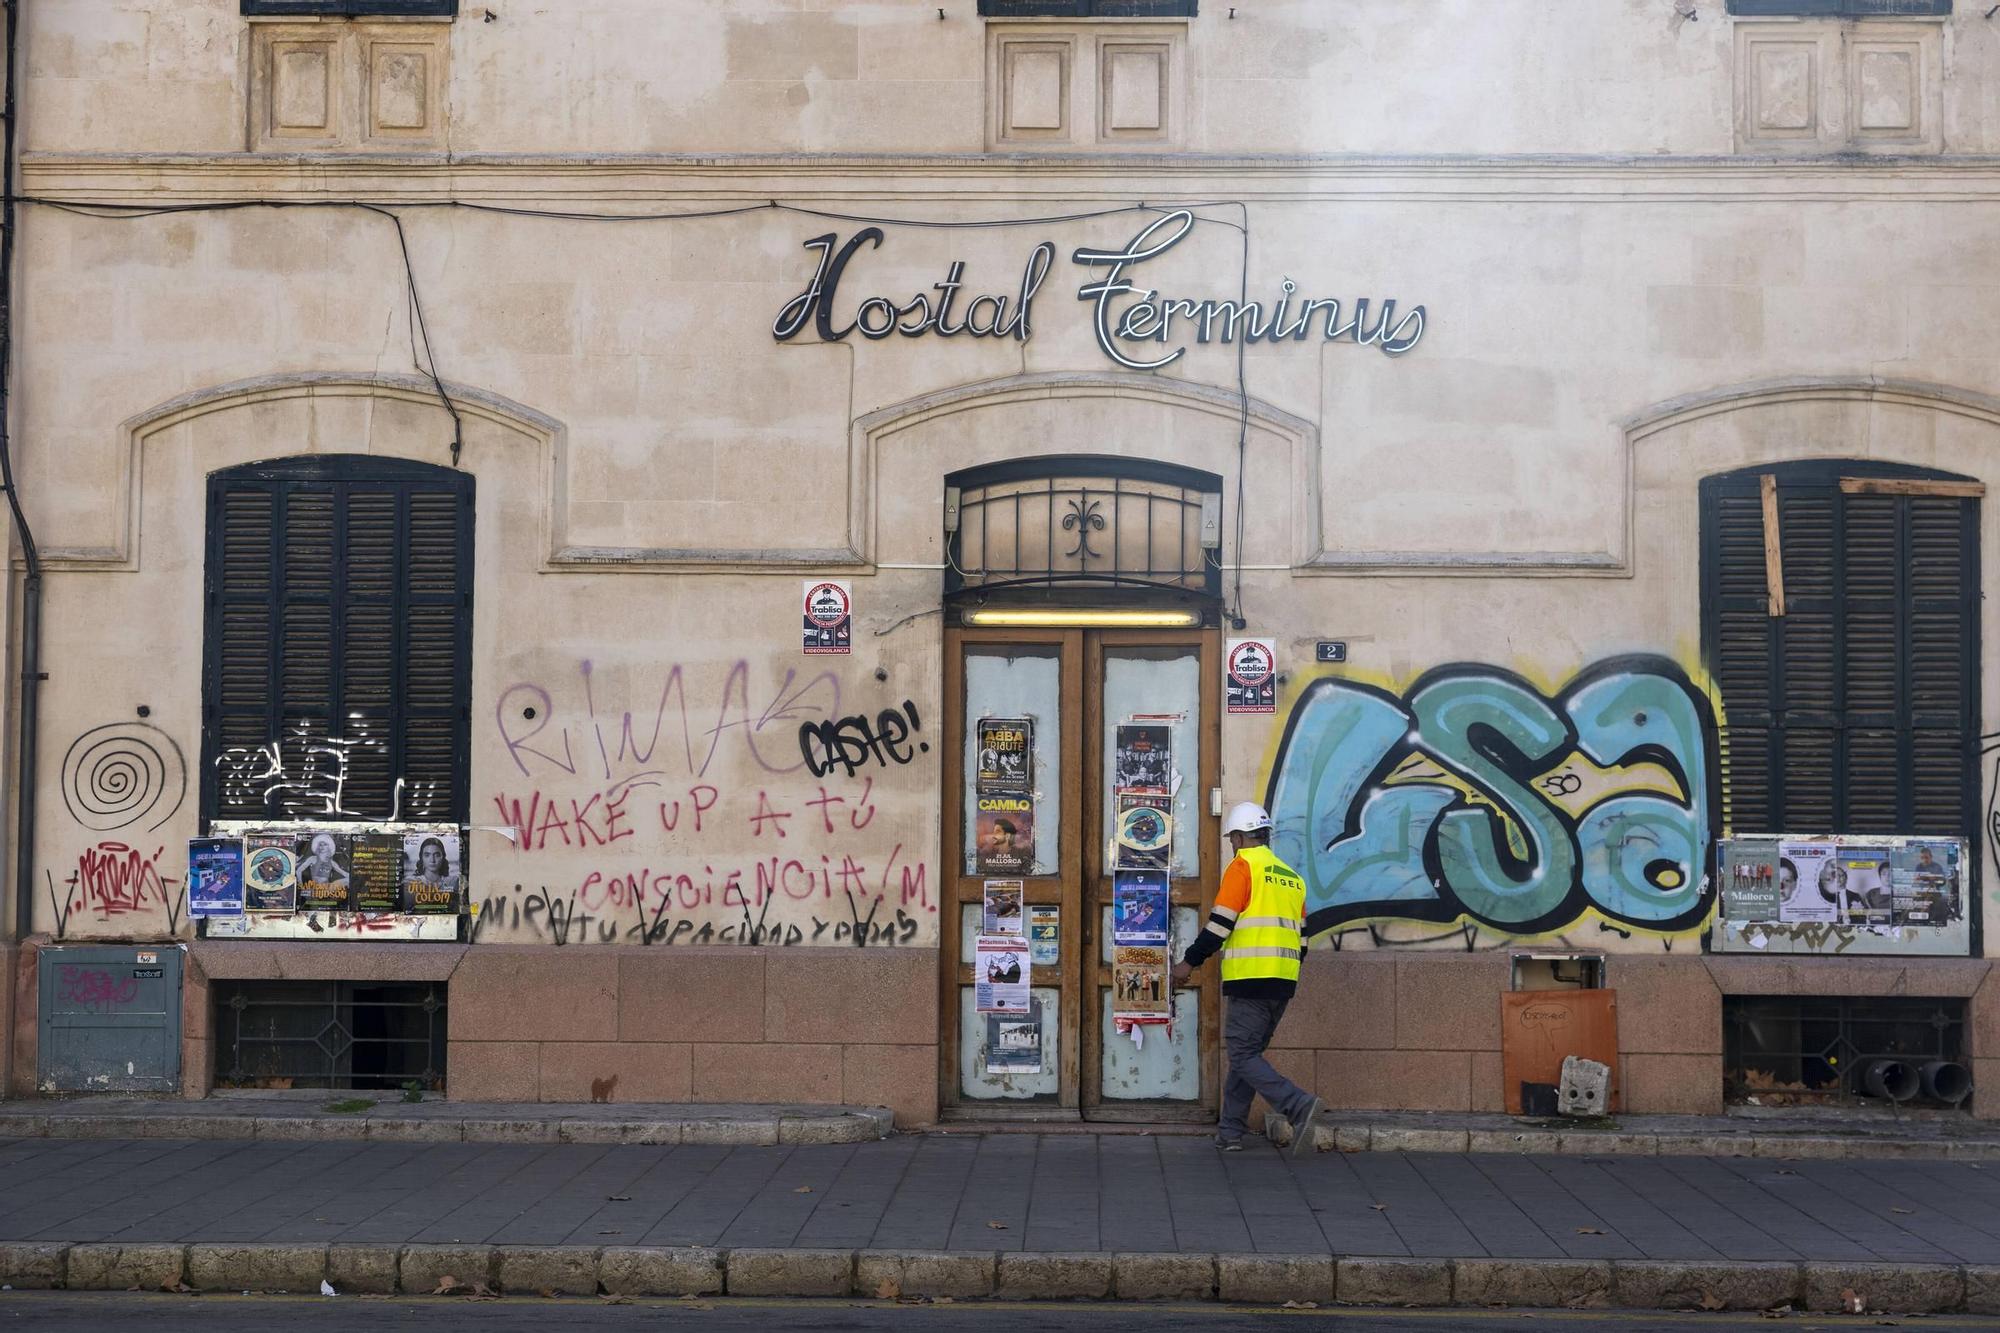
[
  {"x": 1302, "y": 1138},
  {"x": 1228, "y": 1145}
]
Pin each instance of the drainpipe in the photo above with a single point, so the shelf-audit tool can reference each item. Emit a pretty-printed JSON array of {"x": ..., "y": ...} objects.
[{"x": 31, "y": 585}]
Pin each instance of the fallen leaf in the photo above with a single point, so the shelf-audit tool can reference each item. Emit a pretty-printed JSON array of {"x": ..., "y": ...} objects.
[
  {"x": 1784, "y": 1171},
  {"x": 547, "y": 1293},
  {"x": 445, "y": 1284},
  {"x": 1904, "y": 1211},
  {"x": 177, "y": 1286},
  {"x": 1589, "y": 1231},
  {"x": 696, "y": 1305},
  {"x": 1302, "y": 1305},
  {"x": 888, "y": 1289},
  {"x": 1710, "y": 1301},
  {"x": 997, "y": 1226},
  {"x": 803, "y": 1189},
  {"x": 943, "y": 1300},
  {"x": 1379, "y": 1207},
  {"x": 617, "y": 1300}
]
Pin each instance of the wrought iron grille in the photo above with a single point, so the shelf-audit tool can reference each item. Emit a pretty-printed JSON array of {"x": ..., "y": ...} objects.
[
  {"x": 329, "y": 1034},
  {"x": 1091, "y": 522},
  {"x": 1811, "y": 1049}
]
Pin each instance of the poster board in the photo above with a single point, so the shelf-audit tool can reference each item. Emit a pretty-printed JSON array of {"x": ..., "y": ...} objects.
[{"x": 1843, "y": 895}]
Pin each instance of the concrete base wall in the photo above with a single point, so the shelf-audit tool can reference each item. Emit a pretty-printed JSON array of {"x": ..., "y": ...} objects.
[
  {"x": 9, "y": 955},
  {"x": 1421, "y": 1032},
  {"x": 544, "y": 1024}
]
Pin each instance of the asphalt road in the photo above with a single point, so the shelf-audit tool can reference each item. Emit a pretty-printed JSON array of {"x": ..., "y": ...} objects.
[{"x": 118, "y": 1312}]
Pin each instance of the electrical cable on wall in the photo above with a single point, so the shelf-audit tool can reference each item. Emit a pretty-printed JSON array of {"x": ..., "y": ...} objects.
[{"x": 420, "y": 333}]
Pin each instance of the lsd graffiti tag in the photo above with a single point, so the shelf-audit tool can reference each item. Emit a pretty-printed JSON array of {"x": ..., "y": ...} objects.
[{"x": 1427, "y": 805}]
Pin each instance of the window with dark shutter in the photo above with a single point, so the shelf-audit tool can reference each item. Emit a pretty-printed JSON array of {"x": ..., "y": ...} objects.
[
  {"x": 1842, "y": 8},
  {"x": 351, "y": 8},
  {"x": 1087, "y": 9},
  {"x": 1851, "y": 705},
  {"x": 338, "y": 641}
]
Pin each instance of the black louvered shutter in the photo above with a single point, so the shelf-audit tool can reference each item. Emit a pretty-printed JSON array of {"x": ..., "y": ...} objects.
[
  {"x": 1855, "y": 711},
  {"x": 338, "y": 641}
]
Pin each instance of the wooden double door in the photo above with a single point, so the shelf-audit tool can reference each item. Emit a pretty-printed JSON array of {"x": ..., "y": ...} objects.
[{"x": 1075, "y": 687}]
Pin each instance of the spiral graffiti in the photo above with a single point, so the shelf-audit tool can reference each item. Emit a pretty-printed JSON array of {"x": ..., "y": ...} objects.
[{"x": 118, "y": 774}]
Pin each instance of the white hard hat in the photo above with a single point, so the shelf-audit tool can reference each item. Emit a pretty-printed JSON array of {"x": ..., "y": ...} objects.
[{"x": 1247, "y": 817}]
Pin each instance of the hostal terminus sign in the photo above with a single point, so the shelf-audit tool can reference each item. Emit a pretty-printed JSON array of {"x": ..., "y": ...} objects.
[{"x": 1125, "y": 313}]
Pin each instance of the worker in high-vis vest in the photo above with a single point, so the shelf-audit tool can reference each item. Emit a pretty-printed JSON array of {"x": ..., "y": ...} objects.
[{"x": 1258, "y": 925}]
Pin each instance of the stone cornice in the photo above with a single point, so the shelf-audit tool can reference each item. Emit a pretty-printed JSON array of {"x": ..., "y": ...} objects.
[{"x": 634, "y": 180}]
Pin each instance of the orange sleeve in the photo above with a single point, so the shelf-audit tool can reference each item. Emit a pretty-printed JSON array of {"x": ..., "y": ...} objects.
[{"x": 1234, "y": 892}]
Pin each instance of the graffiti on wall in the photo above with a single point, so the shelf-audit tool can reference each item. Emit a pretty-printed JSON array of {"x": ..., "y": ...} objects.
[
  {"x": 1473, "y": 798},
  {"x": 705, "y": 813},
  {"x": 123, "y": 773},
  {"x": 312, "y": 783},
  {"x": 117, "y": 888}
]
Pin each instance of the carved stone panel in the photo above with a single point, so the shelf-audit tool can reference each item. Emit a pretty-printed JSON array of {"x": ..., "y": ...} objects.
[
  {"x": 1086, "y": 85},
  {"x": 1838, "y": 85},
  {"x": 343, "y": 85}
]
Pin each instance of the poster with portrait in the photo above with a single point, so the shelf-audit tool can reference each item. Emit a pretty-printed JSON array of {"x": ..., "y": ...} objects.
[
  {"x": 1139, "y": 907},
  {"x": 1000, "y": 970},
  {"x": 215, "y": 877},
  {"x": 1862, "y": 879},
  {"x": 322, "y": 859},
  {"x": 270, "y": 873},
  {"x": 829, "y": 616},
  {"x": 1145, "y": 831},
  {"x": 1927, "y": 882},
  {"x": 1139, "y": 987},
  {"x": 1749, "y": 874},
  {"x": 1004, "y": 835},
  {"x": 375, "y": 872},
  {"x": 1143, "y": 758},
  {"x": 1014, "y": 1041},
  {"x": 431, "y": 873},
  {"x": 1806, "y": 878},
  {"x": 1005, "y": 765},
  {"x": 1002, "y": 904}
]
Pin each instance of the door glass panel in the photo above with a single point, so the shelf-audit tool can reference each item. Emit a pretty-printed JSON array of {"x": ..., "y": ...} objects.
[
  {"x": 973, "y": 1052},
  {"x": 1162, "y": 1069},
  {"x": 1155, "y": 681},
  {"x": 1017, "y": 682}
]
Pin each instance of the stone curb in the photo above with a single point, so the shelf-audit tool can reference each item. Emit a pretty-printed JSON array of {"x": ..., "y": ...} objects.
[
  {"x": 1270, "y": 1279},
  {"x": 853, "y": 1125},
  {"x": 1328, "y": 1137}
]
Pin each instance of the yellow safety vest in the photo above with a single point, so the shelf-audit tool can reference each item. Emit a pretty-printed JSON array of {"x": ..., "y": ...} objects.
[{"x": 1267, "y": 938}]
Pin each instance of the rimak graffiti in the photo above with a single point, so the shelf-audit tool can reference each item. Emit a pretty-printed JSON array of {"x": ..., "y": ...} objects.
[{"x": 1473, "y": 797}]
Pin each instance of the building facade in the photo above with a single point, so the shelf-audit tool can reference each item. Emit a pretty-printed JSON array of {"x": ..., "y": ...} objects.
[{"x": 751, "y": 481}]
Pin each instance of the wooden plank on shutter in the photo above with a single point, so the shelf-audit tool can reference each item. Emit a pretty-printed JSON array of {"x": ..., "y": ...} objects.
[
  {"x": 1774, "y": 556},
  {"x": 1960, "y": 490}
]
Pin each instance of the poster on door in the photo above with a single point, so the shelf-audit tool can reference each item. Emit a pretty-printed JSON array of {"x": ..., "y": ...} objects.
[
  {"x": 1001, "y": 907},
  {"x": 1139, "y": 989},
  {"x": 1143, "y": 758},
  {"x": 1000, "y": 974},
  {"x": 1004, "y": 835},
  {"x": 1045, "y": 935},
  {"x": 829, "y": 610},
  {"x": 1252, "y": 676},
  {"x": 1014, "y": 1041},
  {"x": 1145, "y": 831},
  {"x": 1139, "y": 907},
  {"x": 1005, "y": 747},
  {"x": 215, "y": 877}
]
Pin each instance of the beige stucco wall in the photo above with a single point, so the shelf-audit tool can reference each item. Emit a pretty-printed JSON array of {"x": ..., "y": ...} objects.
[
  {"x": 1618, "y": 304},
  {"x": 1285, "y": 76}
]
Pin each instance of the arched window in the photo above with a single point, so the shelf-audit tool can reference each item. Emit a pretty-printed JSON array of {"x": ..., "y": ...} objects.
[
  {"x": 336, "y": 676},
  {"x": 1844, "y": 639}
]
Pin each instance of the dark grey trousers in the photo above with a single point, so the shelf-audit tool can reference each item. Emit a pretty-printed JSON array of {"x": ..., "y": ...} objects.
[{"x": 1246, "y": 1031}]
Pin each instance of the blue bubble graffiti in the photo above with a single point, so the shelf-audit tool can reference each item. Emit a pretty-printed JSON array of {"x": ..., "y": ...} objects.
[{"x": 1373, "y": 844}]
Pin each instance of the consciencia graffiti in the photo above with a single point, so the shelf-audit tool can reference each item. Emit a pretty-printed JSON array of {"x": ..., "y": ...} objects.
[{"x": 1472, "y": 796}]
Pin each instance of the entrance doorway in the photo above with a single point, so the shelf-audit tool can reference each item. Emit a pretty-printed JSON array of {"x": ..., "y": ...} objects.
[{"x": 1076, "y": 688}]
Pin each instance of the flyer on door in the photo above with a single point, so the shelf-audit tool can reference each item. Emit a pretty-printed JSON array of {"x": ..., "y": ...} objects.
[{"x": 1000, "y": 974}]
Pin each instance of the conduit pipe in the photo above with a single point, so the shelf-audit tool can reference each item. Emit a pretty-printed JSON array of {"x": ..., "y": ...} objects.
[
  {"x": 1945, "y": 1081},
  {"x": 31, "y": 583}
]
